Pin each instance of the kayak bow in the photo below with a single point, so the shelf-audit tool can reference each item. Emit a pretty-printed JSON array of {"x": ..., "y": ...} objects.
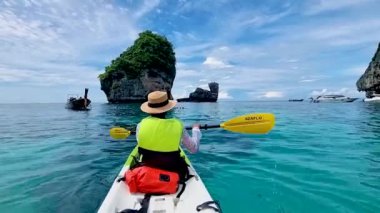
[{"x": 195, "y": 198}]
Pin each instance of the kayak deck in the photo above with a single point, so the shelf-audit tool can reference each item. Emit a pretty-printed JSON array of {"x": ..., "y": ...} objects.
[{"x": 119, "y": 198}]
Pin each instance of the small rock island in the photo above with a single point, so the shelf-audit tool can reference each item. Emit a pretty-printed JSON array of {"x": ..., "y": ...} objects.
[
  {"x": 202, "y": 95},
  {"x": 370, "y": 80},
  {"x": 146, "y": 66}
]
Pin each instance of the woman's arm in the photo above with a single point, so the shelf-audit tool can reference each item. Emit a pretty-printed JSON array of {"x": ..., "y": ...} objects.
[{"x": 192, "y": 142}]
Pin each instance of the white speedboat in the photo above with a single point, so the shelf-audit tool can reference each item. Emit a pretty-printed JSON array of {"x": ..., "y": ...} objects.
[
  {"x": 332, "y": 99},
  {"x": 372, "y": 97}
]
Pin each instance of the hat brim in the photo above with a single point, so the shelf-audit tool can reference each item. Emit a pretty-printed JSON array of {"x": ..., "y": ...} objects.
[{"x": 146, "y": 108}]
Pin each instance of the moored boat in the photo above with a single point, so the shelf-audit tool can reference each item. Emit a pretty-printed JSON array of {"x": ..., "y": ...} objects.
[
  {"x": 332, "y": 99},
  {"x": 295, "y": 100},
  {"x": 372, "y": 97},
  {"x": 78, "y": 103}
]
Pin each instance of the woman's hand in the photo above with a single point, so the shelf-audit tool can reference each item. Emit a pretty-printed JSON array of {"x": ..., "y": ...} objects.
[{"x": 196, "y": 125}]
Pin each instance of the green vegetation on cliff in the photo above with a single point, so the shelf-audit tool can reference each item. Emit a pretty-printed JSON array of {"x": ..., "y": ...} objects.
[{"x": 149, "y": 51}]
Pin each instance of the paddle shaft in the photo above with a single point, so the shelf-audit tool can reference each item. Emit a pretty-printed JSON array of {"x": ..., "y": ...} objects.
[
  {"x": 205, "y": 127},
  {"x": 190, "y": 128}
]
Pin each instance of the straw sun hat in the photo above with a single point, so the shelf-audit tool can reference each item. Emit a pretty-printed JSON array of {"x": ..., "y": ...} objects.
[{"x": 158, "y": 102}]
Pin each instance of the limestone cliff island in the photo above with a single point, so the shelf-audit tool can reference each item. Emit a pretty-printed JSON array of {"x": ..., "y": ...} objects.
[
  {"x": 148, "y": 65},
  {"x": 370, "y": 80},
  {"x": 202, "y": 95}
]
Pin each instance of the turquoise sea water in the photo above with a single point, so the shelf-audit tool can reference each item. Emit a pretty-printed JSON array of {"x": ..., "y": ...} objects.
[{"x": 318, "y": 158}]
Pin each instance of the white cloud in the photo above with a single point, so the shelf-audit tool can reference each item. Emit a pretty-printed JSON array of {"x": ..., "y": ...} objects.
[
  {"x": 272, "y": 94},
  {"x": 205, "y": 5},
  {"x": 145, "y": 7},
  {"x": 180, "y": 94},
  {"x": 244, "y": 76},
  {"x": 186, "y": 73},
  {"x": 16, "y": 28},
  {"x": 288, "y": 60},
  {"x": 183, "y": 38},
  {"x": 319, "y": 92},
  {"x": 188, "y": 51},
  {"x": 240, "y": 54},
  {"x": 204, "y": 86},
  {"x": 224, "y": 48},
  {"x": 77, "y": 75},
  {"x": 53, "y": 42},
  {"x": 215, "y": 63},
  {"x": 226, "y": 77},
  {"x": 284, "y": 56},
  {"x": 252, "y": 48},
  {"x": 357, "y": 70},
  {"x": 7, "y": 75},
  {"x": 223, "y": 95},
  {"x": 312, "y": 78},
  {"x": 347, "y": 33},
  {"x": 307, "y": 80},
  {"x": 330, "y": 5},
  {"x": 259, "y": 19}
]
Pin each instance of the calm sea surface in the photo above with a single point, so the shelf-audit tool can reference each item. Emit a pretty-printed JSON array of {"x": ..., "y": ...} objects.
[{"x": 318, "y": 158}]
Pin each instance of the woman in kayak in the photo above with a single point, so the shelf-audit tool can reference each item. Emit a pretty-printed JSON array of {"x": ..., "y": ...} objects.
[
  {"x": 157, "y": 166},
  {"x": 159, "y": 138}
]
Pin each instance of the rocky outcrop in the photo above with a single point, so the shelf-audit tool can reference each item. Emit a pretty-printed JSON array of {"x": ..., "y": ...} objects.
[
  {"x": 370, "y": 80},
  {"x": 148, "y": 65},
  {"x": 202, "y": 95},
  {"x": 126, "y": 90}
]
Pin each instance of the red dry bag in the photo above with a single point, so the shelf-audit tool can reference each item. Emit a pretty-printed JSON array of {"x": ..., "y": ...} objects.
[{"x": 150, "y": 180}]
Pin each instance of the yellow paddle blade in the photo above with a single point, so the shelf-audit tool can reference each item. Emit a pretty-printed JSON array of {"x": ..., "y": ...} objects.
[
  {"x": 257, "y": 123},
  {"x": 119, "y": 133}
]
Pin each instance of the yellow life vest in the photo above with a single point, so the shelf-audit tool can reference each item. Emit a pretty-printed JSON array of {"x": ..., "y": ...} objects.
[{"x": 160, "y": 135}]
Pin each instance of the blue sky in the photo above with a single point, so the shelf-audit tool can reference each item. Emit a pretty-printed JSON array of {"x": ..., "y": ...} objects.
[{"x": 256, "y": 50}]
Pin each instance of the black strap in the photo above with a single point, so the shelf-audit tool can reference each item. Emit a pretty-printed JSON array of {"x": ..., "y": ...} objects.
[
  {"x": 144, "y": 206},
  {"x": 182, "y": 190},
  {"x": 188, "y": 176},
  {"x": 130, "y": 211},
  {"x": 121, "y": 179},
  {"x": 183, "y": 185},
  {"x": 183, "y": 172},
  {"x": 158, "y": 105},
  {"x": 135, "y": 163},
  {"x": 207, "y": 205},
  {"x": 169, "y": 161},
  {"x": 145, "y": 203}
]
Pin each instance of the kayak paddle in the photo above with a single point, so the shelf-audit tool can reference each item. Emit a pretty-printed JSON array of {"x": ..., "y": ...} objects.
[{"x": 257, "y": 123}]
